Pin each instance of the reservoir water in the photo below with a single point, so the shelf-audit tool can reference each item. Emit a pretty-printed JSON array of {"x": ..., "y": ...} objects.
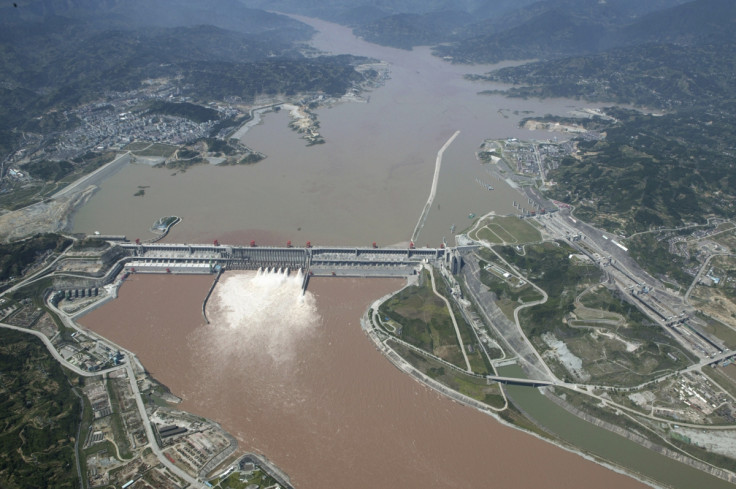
[
  {"x": 369, "y": 182},
  {"x": 295, "y": 378}
]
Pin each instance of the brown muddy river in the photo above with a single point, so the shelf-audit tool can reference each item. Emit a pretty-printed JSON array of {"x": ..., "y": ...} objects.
[{"x": 297, "y": 380}]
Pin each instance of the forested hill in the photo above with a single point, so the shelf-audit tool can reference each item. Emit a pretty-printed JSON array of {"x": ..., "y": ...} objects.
[
  {"x": 661, "y": 76},
  {"x": 650, "y": 170},
  {"x": 653, "y": 171},
  {"x": 57, "y": 54}
]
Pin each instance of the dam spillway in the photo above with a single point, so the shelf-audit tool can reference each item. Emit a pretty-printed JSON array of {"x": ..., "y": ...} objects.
[{"x": 314, "y": 261}]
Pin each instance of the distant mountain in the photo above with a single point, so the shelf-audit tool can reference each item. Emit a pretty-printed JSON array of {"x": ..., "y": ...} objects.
[
  {"x": 334, "y": 9},
  {"x": 408, "y": 30},
  {"x": 552, "y": 28},
  {"x": 662, "y": 76},
  {"x": 684, "y": 56},
  {"x": 131, "y": 14},
  {"x": 56, "y": 54},
  {"x": 694, "y": 22},
  {"x": 649, "y": 170}
]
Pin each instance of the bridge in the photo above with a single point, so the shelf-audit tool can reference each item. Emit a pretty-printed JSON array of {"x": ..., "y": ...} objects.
[
  {"x": 313, "y": 261},
  {"x": 519, "y": 381}
]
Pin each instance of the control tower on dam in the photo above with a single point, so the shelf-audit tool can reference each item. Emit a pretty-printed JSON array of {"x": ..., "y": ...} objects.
[{"x": 316, "y": 261}]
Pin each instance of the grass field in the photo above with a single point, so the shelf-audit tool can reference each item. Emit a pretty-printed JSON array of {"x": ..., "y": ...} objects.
[
  {"x": 157, "y": 150},
  {"x": 471, "y": 386},
  {"x": 506, "y": 229},
  {"x": 256, "y": 479},
  {"x": 136, "y": 146},
  {"x": 421, "y": 319}
]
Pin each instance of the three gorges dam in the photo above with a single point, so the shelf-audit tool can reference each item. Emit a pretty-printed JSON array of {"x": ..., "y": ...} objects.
[{"x": 313, "y": 261}]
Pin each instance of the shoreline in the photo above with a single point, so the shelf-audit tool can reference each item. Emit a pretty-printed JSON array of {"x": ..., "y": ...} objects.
[
  {"x": 433, "y": 188},
  {"x": 408, "y": 369}
]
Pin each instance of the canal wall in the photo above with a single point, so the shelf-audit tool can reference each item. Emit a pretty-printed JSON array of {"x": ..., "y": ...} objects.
[{"x": 636, "y": 438}]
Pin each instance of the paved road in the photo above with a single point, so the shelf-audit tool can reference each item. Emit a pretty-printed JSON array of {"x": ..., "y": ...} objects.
[
  {"x": 452, "y": 316},
  {"x": 56, "y": 355},
  {"x": 511, "y": 334},
  {"x": 703, "y": 267},
  {"x": 133, "y": 384},
  {"x": 149, "y": 431}
]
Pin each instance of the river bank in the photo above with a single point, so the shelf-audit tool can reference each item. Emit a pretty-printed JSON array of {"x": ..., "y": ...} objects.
[{"x": 378, "y": 338}]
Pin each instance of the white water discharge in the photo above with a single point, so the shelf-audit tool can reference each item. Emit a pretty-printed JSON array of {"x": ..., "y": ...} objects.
[{"x": 262, "y": 315}]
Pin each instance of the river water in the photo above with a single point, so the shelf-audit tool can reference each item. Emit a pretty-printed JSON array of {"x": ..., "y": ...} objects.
[
  {"x": 369, "y": 182},
  {"x": 295, "y": 378}
]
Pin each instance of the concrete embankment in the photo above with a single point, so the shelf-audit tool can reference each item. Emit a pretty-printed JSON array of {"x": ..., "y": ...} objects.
[
  {"x": 207, "y": 297},
  {"x": 407, "y": 368},
  {"x": 433, "y": 190},
  {"x": 636, "y": 438},
  {"x": 96, "y": 177},
  {"x": 166, "y": 231},
  {"x": 220, "y": 457}
]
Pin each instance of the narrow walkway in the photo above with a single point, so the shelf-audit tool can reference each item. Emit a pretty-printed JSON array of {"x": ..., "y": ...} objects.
[
  {"x": 433, "y": 191},
  {"x": 452, "y": 316}
]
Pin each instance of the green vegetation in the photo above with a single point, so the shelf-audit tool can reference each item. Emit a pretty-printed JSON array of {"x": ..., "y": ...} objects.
[
  {"x": 507, "y": 229},
  {"x": 40, "y": 416},
  {"x": 653, "y": 254},
  {"x": 48, "y": 170},
  {"x": 68, "y": 171},
  {"x": 20, "y": 195},
  {"x": 47, "y": 177},
  {"x": 250, "y": 158},
  {"x": 16, "y": 257},
  {"x": 604, "y": 301},
  {"x": 187, "y": 110},
  {"x": 191, "y": 159},
  {"x": 221, "y": 147},
  {"x": 118, "y": 427},
  {"x": 408, "y": 30},
  {"x": 652, "y": 171},
  {"x": 550, "y": 267},
  {"x": 259, "y": 477},
  {"x": 472, "y": 386},
  {"x": 649, "y": 170},
  {"x": 510, "y": 292},
  {"x": 423, "y": 320},
  {"x": 716, "y": 459},
  {"x": 52, "y": 63},
  {"x": 602, "y": 339},
  {"x": 652, "y": 75},
  {"x": 90, "y": 243},
  {"x": 159, "y": 150}
]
